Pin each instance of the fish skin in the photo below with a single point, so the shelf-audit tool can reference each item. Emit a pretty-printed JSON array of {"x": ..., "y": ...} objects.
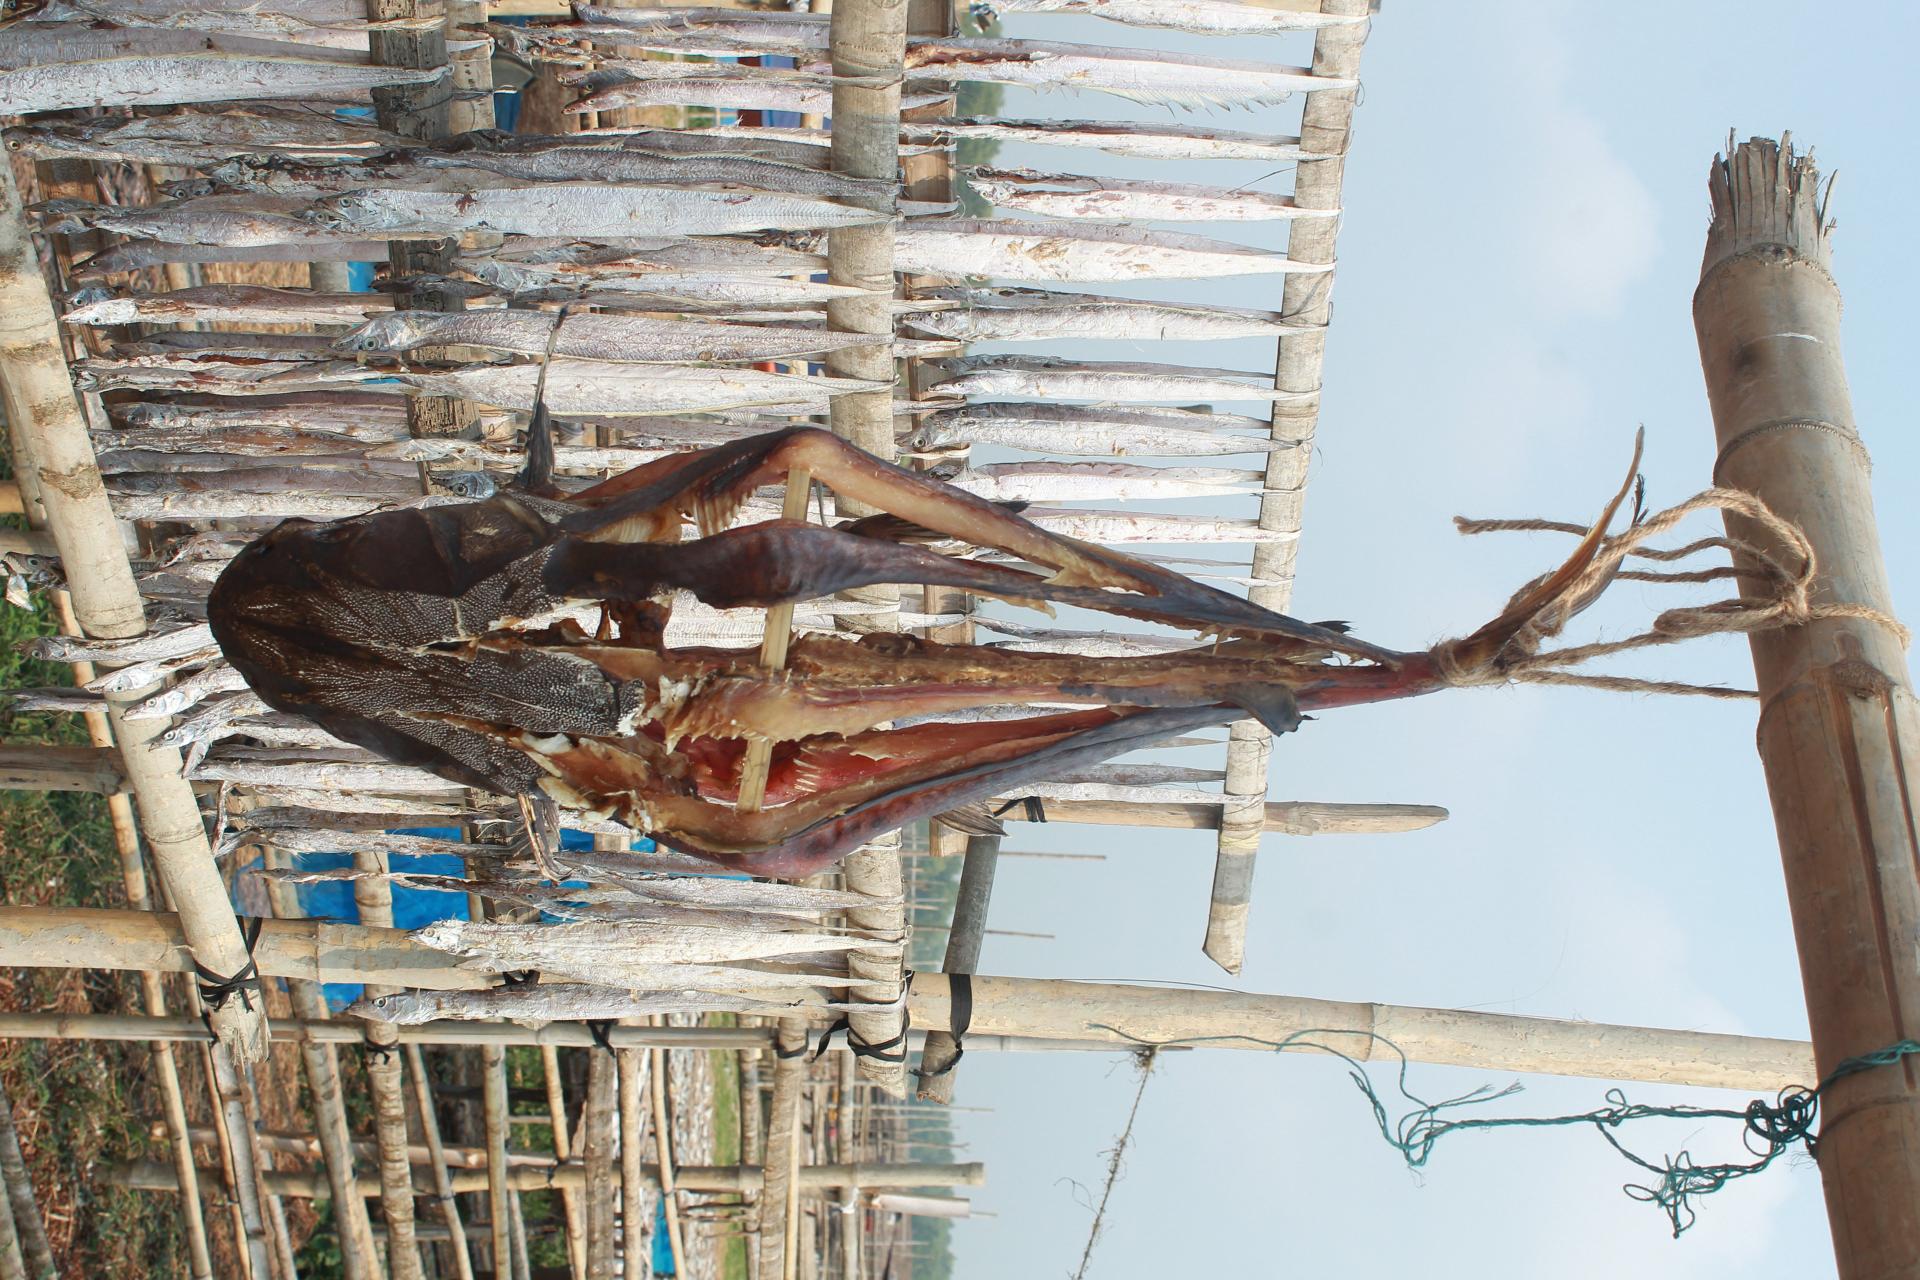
[
  {"x": 228, "y": 303},
  {"x": 191, "y": 138},
  {"x": 769, "y": 90},
  {"x": 226, "y": 221},
  {"x": 684, "y": 290},
  {"x": 1116, "y": 137},
  {"x": 137, "y": 255},
  {"x": 621, "y": 339},
  {"x": 1067, "y": 195},
  {"x": 1047, "y": 376},
  {"x": 1184, "y": 80},
  {"x": 1100, "y": 430},
  {"x": 580, "y": 209},
  {"x": 584, "y": 386},
  {"x": 1030, "y": 250},
  {"x": 1203, "y": 17},
  {"x": 1015, "y": 315}
]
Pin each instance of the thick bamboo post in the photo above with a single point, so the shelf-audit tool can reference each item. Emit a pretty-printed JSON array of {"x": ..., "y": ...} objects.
[
  {"x": 373, "y": 898},
  {"x": 27, "y": 1222},
  {"x": 598, "y": 1152},
  {"x": 437, "y": 1158},
  {"x": 663, "y": 1143},
  {"x": 942, "y": 1054},
  {"x": 571, "y": 1208},
  {"x": 493, "y": 1066},
  {"x": 43, "y": 413},
  {"x": 1326, "y": 125},
  {"x": 13, "y": 1264},
  {"x": 242, "y": 1159},
  {"x": 359, "y": 1261},
  {"x": 634, "y": 1226},
  {"x": 783, "y": 1135},
  {"x": 1839, "y": 732},
  {"x": 852, "y": 1221}
]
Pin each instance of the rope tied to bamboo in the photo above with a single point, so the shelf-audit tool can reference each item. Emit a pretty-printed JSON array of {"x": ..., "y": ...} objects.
[
  {"x": 1788, "y": 603},
  {"x": 216, "y": 989}
]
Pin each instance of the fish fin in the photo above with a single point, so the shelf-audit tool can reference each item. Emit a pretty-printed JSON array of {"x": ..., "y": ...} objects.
[
  {"x": 537, "y": 475},
  {"x": 971, "y": 820},
  {"x": 1273, "y": 705}
]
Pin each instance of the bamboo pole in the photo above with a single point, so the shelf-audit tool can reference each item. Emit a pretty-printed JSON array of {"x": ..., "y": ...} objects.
[
  {"x": 1839, "y": 732},
  {"x": 493, "y": 1066},
  {"x": 373, "y": 899},
  {"x": 13, "y": 1265},
  {"x": 634, "y": 1074},
  {"x": 570, "y": 1205},
  {"x": 783, "y": 1135},
  {"x": 719, "y": 1180},
  {"x": 51, "y": 430},
  {"x": 359, "y": 1260},
  {"x": 437, "y": 1160},
  {"x": 1285, "y": 817},
  {"x": 942, "y": 1053},
  {"x": 773, "y": 654},
  {"x": 663, "y": 1143},
  {"x": 242, "y": 1159},
  {"x": 598, "y": 1151},
  {"x": 852, "y": 1221},
  {"x": 1326, "y": 126},
  {"x": 24, "y": 1207}
]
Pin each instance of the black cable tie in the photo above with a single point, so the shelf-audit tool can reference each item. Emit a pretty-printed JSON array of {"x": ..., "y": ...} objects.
[
  {"x": 520, "y": 978},
  {"x": 788, "y": 1055},
  {"x": 959, "y": 1019},
  {"x": 601, "y": 1029},
  {"x": 381, "y": 1053},
  {"x": 216, "y": 990},
  {"x": 1036, "y": 810}
]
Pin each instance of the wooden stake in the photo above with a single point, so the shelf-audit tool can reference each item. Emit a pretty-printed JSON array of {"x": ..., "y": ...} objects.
[
  {"x": 773, "y": 654},
  {"x": 493, "y": 1067},
  {"x": 1326, "y": 126},
  {"x": 634, "y": 1224},
  {"x": 1839, "y": 729},
  {"x": 437, "y": 1158},
  {"x": 598, "y": 1150},
  {"x": 789, "y": 1071},
  {"x": 942, "y": 1054},
  {"x": 570, "y": 1205},
  {"x": 720, "y": 1180},
  {"x": 373, "y": 898},
  {"x": 51, "y": 430}
]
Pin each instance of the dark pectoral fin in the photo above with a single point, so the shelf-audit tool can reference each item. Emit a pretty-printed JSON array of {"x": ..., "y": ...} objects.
[{"x": 1273, "y": 705}]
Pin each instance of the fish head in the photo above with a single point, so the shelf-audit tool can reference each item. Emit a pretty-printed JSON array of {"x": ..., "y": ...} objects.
[
  {"x": 339, "y": 213},
  {"x": 932, "y": 437},
  {"x": 392, "y": 331},
  {"x": 474, "y": 485}
]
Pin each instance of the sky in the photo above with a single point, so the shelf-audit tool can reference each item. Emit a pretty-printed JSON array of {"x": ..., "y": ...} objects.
[{"x": 1525, "y": 213}]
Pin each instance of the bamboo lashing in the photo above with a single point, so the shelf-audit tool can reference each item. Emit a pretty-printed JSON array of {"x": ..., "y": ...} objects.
[{"x": 773, "y": 654}]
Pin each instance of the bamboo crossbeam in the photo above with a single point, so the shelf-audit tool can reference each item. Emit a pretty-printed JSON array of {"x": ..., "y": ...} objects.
[
  {"x": 1326, "y": 127},
  {"x": 708, "y": 1179},
  {"x": 44, "y": 767},
  {"x": 1286, "y": 817},
  {"x": 373, "y": 900}
]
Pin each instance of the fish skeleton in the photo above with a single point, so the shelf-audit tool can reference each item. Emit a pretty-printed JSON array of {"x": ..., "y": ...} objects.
[
  {"x": 581, "y": 209},
  {"x": 1095, "y": 430},
  {"x": 1069, "y": 195},
  {"x": 1028, "y": 315},
  {"x": 1143, "y": 75},
  {"x": 1116, "y": 137},
  {"x": 624, "y": 339},
  {"x": 1077, "y": 252},
  {"x": 1051, "y": 377},
  {"x": 1204, "y": 17}
]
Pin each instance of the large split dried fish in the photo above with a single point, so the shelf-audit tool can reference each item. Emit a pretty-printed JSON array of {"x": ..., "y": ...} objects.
[
  {"x": 1046, "y": 377},
  {"x": 1101, "y": 482},
  {"x": 1071, "y": 195},
  {"x": 1143, "y": 75},
  {"x": 1033, "y": 250},
  {"x": 71, "y": 66},
  {"x": 1205, "y": 17},
  {"x": 581, "y": 209},
  {"x": 1095, "y": 430},
  {"x": 1116, "y": 137},
  {"x": 588, "y": 386},
  {"x": 1031, "y": 315},
  {"x": 623, "y": 339},
  {"x": 226, "y": 303},
  {"x": 195, "y": 138}
]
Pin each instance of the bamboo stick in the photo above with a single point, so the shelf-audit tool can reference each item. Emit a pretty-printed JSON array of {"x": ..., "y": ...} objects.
[
  {"x": 570, "y": 1205},
  {"x": 1286, "y": 817},
  {"x": 852, "y": 1221},
  {"x": 28, "y": 1226},
  {"x": 634, "y": 1227},
  {"x": 1326, "y": 126},
  {"x": 789, "y": 1071},
  {"x": 663, "y": 1142},
  {"x": 13, "y": 1265},
  {"x": 942, "y": 1053},
  {"x": 241, "y": 1158},
  {"x": 493, "y": 1065},
  {"x": 597, "y": 1149},
  {"x": 437, "y": 1160},
  {"x": 373, "y": 900},
  {"x": 41, "y": 408},
  {"x": 773, "y": 654},
  {"x": 1839, "y": 732},
  {"x": 720, "y": 1180}
]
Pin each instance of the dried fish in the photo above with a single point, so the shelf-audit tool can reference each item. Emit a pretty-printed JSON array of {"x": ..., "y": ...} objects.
[
  {"x": 1067, "y": 195},
  {"x": 650, "y": 158},
  {"x": 586, "y": 386},
  {"x": 622, "y": 339},
  {"x": 1206, "y": 17},
  {"x": 216, "y": 678},
  {"x": 572, "y": 1002},
  {"x": 1116, "y": 137},
  {"x": 1143, "y": 75},
  {"x": 137, "y": 255},
  {"x": 581, "y": 950},
  {"x": 1098, "y": 429},
  {"x": 684, "y": 290},
  {"x": 766, "y": 89},
  {"x": 193, "y": 138},
  {"x": 768, "y": 31},
  {"x": 1134, "y": 526},
  {"x": 72, "y": 66},
  {"x": 1101, "y": 482},
  {"x": 582, "y": 209},
  {"x": 240, "y": 221},
  {"x": 1030, "y": 315},
  {"x": 225, "y": 303},
  {"x": 142, "y": 648},
  {"x": 215, "y": 377},
  {"x": 1033, "y": 250},
  {"x": 1051, "y": 377}
]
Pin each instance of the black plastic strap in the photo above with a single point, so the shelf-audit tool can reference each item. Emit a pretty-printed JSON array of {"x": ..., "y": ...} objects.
[
  {"x": 959, "y": 1019},
  {"x": 894, "y": 1050},
  {"x": 788, "y": 1055},
  {"x": 601, "y": 1029},
  {"x": 381, "y": 1053},
  {"x": 1036, "y": 810},
  {"x": 520, "y": 978},
  {"x": 216, "y": 990}
]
